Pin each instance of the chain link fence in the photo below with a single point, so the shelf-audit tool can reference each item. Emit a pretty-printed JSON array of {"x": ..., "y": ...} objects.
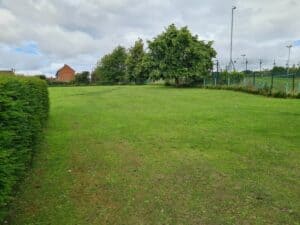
[{"x": 289, "y": 84}]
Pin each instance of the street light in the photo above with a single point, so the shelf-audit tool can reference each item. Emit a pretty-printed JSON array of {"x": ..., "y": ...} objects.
[{"x": 231, "y": 64}]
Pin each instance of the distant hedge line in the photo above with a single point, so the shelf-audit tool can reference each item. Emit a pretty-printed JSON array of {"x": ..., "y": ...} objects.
[{"x": 24, "y": 106}]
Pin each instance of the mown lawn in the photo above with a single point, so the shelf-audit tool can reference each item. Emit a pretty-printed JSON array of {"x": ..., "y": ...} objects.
[{"x": 158, "y": 155}]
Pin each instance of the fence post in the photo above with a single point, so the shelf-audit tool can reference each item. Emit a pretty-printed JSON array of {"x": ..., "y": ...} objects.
[
  {"x": 272, "y": 79},
  {"x": 253, "y": 79},
  {"x": 293, "y": 83},
  {"x": 204, "y": 82}
]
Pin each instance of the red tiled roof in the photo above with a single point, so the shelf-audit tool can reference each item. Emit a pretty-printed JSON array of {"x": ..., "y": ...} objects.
[{"x": 66, "y": 66}]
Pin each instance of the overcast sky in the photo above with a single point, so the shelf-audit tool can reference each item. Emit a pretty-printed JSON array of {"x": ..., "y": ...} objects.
[{"x": 39, "y": 36}]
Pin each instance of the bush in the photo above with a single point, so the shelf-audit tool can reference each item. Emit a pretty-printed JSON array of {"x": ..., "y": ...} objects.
[
  {"x": 82, "y": 78},
  {"x": 42, "y": 77},
  {"x": 223, "y": 77},
  {"x": 57, "y": 83},
  {"x": 24, "y": 109},
  {"x": 279, "y": 94}
]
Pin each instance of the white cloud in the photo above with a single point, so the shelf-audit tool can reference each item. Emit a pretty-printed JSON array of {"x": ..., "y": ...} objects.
[{"x": 79, "y": 32}]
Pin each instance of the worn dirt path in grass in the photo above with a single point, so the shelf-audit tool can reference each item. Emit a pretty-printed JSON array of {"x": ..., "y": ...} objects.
[{"x": 156, "y": 155}]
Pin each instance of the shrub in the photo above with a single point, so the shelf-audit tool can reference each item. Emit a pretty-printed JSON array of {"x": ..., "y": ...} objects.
[
  {"x": 43, "y": 77},
  {"x": 57, "y": 83},
  {"x": 82, "y": 78},
  {"x": 234, "y": 77},
  {"x": 279, "y": 94},
  {"x": 24, "y": 108}
]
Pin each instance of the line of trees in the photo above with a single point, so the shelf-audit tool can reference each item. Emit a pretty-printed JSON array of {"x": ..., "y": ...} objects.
[
  {"x": 276, "y": 71},
  {"x": 175, "y": 55}
]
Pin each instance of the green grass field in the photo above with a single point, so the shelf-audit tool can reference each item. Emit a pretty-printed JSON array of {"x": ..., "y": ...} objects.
[{"x": 158, "y": 155}]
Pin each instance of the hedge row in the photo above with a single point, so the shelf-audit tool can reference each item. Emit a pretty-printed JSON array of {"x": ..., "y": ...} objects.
[{"x": 24, "y": 106}]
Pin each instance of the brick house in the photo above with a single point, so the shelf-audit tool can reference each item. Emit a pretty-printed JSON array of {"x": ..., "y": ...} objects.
[{"x": 65, "y": 74}]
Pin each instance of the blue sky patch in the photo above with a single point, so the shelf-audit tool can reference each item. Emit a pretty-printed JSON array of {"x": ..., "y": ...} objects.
[
  {"x": 297, "y": 43},
  {"x": 29, "y": 47}
]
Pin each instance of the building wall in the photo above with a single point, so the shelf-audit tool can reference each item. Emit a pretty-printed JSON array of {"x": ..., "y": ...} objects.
[{"x": 66, "y": 74}]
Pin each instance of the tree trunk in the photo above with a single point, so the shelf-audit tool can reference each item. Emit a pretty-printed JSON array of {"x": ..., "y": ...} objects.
[{"x": 176, "y": 81}]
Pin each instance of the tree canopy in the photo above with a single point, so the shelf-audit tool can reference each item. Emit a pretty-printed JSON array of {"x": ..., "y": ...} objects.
[
  {"x": 82, "y": 78},
  {"x": 278, "y": 70},
  {"x": 179, "y": 55},
  {"x": 111, "y": 68},
  {"x": 176, "y": 54},
  {"x": 136, "y": 67}
]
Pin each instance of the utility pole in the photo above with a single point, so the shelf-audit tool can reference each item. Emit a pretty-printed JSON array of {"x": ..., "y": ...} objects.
[
  {"x": 246, "y": 64},
  {"x": 231, "y": 64},
  {"x": 274, "y": 64}
]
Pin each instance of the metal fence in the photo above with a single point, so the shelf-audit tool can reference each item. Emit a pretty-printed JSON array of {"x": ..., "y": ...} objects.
[{"x": 287, "y": 84}]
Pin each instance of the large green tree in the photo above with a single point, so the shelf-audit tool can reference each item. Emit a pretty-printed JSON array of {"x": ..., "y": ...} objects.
[
  {"x": 179, "y": 55},
  {"x": 111, "y": 68},
  {"x": 278, "y": 70},
  {"x": 82, "y": 78},
  {"x": 136, "y": 70},
  {"x": 294, "y": 70}
]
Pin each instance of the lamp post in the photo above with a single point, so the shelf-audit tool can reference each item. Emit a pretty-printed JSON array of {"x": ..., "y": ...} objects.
[{"x": 231, "y": 64}]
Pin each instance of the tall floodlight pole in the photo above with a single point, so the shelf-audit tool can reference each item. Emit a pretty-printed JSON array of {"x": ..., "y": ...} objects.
[
  {"x": 289, "y": 58},
  {"x": 244, "y": 55},
  {"x": 231, "y": 64},
  {"x": 260, "y": 64},
  {"x": 217, "y": 64}
]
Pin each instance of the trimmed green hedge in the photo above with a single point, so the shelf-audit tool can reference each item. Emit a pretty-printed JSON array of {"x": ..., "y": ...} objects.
[{"x": 24, "y": 106}]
